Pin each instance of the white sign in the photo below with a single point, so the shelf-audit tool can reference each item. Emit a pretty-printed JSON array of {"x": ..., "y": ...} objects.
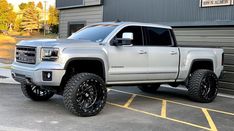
[{"x": 211, "y": 3}]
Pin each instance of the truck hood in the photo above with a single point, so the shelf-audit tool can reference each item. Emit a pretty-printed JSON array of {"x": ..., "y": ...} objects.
[{"x": 61, "y": 43}]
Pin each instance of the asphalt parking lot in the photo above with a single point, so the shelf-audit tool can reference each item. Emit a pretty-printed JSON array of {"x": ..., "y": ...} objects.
[{"x": 127, "y": 109}]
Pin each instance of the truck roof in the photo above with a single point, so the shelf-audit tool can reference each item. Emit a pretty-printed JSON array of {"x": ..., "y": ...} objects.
[{"x": 136, "y": 24}]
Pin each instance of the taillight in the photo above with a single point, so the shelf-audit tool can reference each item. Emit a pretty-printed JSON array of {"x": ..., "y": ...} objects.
[{"x": 223, "y": 59}]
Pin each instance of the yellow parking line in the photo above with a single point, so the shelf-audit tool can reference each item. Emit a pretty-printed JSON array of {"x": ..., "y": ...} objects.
[
  {"x": 155, "y": 115},
  {"x": 130, "y": 101},
  {"x": 209, "y": 119},
  {"x": 164, "y": 109},
  {"x": 155, "y": 98},
  {"x": 223, "y": 112}
]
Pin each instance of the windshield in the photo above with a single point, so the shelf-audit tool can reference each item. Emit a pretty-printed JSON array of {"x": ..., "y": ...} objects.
[{"x": 95, "y": 33}]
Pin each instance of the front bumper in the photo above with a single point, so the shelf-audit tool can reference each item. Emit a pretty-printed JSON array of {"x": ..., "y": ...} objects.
[{"x": 34, "y": 75}]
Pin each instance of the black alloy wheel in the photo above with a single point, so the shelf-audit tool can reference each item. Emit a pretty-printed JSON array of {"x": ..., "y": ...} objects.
[
  {"x": 85, "y": 94},
  {"x": 36, "y": 93},
  {"x": 208, "y": 87},
  {"x": 203, "y": 86}
]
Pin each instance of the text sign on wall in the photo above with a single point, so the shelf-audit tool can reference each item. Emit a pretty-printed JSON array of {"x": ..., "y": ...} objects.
[{"x": 211, "y": 3}]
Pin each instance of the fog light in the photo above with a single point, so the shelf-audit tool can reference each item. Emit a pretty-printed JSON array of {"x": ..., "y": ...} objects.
[{"x": 47, "y": 75}]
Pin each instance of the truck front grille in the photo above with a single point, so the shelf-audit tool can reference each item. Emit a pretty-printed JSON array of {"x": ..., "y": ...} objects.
[{"x": 25, "y": 54}]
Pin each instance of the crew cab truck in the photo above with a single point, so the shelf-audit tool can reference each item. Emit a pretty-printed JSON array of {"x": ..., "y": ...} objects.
[{"x": 113, "y": 53}]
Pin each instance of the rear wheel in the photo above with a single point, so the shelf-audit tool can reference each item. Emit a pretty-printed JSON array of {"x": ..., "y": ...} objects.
[
  {"x": 36, "y": 93},
  {"x": 151, "y": 88},
  {"x": 203, "y": 86},
  {"x": 85, "y": 94}
]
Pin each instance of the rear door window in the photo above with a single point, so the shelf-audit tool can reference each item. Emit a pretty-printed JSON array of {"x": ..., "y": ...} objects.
[{"x": 158, "y": 36}]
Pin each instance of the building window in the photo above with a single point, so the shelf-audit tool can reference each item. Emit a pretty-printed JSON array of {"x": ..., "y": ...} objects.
[{"x": 74, "y": 27}]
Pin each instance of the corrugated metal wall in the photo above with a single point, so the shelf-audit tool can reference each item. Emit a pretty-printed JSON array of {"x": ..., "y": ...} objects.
[
  {"x": 66, "y": 4},
  {"x": 170, "y": 12},
  {"x": 92, "y": 2},
  {"x": 213, "y": 37}
]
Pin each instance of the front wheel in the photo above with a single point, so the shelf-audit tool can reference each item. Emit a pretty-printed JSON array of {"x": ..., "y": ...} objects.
[
  {"x": 203, "y": 86},
  {"x": 85, "y": 94},
  {"x": 36, "y": 93}
]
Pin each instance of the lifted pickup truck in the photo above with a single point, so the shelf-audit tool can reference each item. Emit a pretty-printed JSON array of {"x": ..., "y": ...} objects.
[{"x": 113, "y": 53}]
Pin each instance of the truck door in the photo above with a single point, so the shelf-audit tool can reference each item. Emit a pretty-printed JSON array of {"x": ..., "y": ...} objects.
[
  {"x": 128, "y": 62},
  {"x": 163, "y": 57}
]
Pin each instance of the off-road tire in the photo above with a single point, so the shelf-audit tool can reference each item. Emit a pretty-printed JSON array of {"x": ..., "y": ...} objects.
[
  {"x": 203, "y": 86},
  {"x": 36, "y": 93},
  {"x": 80, "y": 90},
  {"x": 151, "y": 88}
]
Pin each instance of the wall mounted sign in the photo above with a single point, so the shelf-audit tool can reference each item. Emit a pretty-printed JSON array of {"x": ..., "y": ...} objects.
[{"x": 213, "y": 3}]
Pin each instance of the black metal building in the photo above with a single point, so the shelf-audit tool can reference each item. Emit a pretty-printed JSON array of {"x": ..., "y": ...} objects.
[{"x": 202, "y": 23}]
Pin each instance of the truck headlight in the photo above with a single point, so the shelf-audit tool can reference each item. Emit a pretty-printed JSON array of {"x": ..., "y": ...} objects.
[{"x": 49, "y": 54}]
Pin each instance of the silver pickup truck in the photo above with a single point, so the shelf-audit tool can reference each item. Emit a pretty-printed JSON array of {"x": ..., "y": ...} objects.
[{"x": 113, "y": 53}]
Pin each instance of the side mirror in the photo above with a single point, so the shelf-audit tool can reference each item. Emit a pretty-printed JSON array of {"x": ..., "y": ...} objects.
[{"x": 126, "y": 39}]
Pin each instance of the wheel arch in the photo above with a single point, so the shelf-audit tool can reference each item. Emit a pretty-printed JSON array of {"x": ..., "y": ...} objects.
[
  {"x": 85, "y": 66},
  {"x": 200, "y": 64}
]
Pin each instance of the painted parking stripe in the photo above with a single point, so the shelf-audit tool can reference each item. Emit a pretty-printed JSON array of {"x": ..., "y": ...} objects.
[
  {"x": 225, "y": 95},
  {"x": 218, "y": 111},
  {"x": 130, "y": 100},
  {"x": 209, "y": 119},
  {"x": 159, "y": 116},
  {"x": 164, "y": 109}
]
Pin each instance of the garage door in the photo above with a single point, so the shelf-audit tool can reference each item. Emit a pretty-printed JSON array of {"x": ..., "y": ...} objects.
[{"x": 213, "y": 37}]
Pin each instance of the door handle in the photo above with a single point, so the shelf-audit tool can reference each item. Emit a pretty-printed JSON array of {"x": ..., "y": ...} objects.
[
  {"x": 142, "y": 52},
  {"x": 173, "y": 53}
]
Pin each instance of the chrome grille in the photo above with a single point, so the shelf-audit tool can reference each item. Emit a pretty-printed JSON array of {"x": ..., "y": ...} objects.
[{"x": 25, "y": 54}]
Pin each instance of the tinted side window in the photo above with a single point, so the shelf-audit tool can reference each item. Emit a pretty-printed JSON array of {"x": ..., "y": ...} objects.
[
  {"x": 158, "y": 36},
  {"x": 137, "y": 34}
]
